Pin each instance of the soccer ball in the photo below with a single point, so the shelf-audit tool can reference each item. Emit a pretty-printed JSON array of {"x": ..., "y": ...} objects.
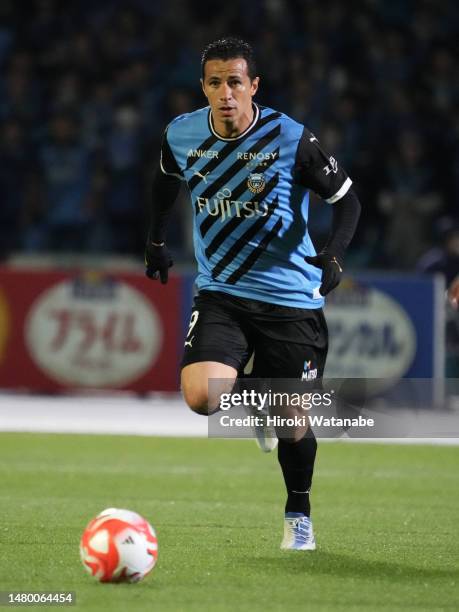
[{"x": 119, "y": 546}]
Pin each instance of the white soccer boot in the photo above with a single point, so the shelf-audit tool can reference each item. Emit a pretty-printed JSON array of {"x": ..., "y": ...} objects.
[{"x": 298, "y": 532}]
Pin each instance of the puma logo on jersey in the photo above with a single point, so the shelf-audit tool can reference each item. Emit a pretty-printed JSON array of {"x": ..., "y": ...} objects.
[{"x": 203, "y": 176}]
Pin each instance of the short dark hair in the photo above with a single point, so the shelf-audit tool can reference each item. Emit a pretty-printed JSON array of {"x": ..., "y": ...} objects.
[{"x": 230, "y": 48}]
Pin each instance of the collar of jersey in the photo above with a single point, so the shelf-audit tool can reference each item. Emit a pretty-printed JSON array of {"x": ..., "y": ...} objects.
[{"x": 256, "y": 116}]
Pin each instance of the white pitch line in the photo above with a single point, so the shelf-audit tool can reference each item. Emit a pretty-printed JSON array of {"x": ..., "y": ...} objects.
[{"x": 161, "y": 415}]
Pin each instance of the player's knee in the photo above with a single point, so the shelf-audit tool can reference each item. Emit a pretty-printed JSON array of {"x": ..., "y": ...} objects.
[
  {"x": 201, "y": 396},
  {"x": 197, "y": 400}
]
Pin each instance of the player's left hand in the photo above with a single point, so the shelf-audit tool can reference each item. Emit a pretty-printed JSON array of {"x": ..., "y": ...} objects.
[{"x": 331, "y": 271}]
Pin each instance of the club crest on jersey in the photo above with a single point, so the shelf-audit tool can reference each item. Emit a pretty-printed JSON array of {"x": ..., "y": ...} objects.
[
  {"x": 256, "y": 182},
  {"x": 308, "y": 372}
]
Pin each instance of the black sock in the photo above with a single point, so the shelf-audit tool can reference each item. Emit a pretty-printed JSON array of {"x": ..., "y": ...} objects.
[{"x": 297, "y": 463}]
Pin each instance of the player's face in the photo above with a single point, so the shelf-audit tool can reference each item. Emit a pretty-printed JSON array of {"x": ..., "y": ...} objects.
[{"x": 229, "y": 91}]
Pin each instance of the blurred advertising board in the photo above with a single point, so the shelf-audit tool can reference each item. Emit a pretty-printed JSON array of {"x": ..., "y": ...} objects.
[
  {"x": 85, "y": 329},
  {"x": 62, "y": 330},
  {"x": 388, "y": 327}
]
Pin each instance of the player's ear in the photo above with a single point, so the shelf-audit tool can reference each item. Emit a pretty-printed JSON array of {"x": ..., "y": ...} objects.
[
  {"x": 254, "y": 85},
  {"x": 203, "y": 88}
]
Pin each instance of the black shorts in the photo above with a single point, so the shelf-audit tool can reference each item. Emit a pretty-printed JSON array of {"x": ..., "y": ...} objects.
[{"x": 285, "y": 342}]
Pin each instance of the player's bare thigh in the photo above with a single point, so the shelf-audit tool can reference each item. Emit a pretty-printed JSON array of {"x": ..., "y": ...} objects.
[{"x": 195, "y": 384}]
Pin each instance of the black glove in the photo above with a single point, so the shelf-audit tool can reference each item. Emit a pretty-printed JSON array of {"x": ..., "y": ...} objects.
[
  {"x": 158, "y": 260},
  {"x": 331, "y": 271}
]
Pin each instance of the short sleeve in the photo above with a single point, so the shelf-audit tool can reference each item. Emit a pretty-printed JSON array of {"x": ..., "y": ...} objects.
[
  {"x": 167, "y": 162},
  {"x": 319, "y": 171}
]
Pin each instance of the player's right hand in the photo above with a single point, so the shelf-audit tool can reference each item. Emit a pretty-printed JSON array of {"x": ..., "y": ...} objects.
[{"x": 158, "y": 260}]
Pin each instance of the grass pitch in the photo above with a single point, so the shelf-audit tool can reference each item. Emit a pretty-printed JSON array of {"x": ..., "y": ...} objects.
[{"x": 386, "y": 521}]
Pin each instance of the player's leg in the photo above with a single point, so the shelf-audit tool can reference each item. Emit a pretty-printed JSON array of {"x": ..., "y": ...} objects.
[
  {"x": 296, "y": 454},
  {"x": 216, "y": 347},
  {"x": 297, "y": 447}
]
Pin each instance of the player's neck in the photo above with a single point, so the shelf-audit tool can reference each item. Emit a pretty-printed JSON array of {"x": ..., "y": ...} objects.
[{"x": 230, "y": 129}]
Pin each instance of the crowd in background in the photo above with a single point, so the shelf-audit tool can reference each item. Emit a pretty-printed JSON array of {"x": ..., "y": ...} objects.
[{"x": 86, "y": 89}]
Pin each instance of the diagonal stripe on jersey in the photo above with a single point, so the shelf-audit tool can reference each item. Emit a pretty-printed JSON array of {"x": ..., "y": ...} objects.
[
  {"x": 229, "y": 148},
  {"x": 208, "y": 142},
  {"x": 249, "y": 262},
  {"x": 229, "y": 228},
  {"x": 243, "y": 240},
  {"x": 239, "y": 190},
  {"x": 224, "y": 178},
  {"x": 230, "y": 172}
]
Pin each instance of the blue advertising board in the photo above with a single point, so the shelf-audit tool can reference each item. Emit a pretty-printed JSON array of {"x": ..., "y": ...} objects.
[
  {"x": 388, "y": 327},
  {"x": 381, "y": 326}
]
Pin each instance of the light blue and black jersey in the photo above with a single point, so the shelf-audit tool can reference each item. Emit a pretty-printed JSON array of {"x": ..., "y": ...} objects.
[{"x": 250, "y": 200}]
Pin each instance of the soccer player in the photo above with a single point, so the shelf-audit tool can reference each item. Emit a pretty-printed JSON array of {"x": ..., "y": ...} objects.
[{"x": 261, "y": 285}]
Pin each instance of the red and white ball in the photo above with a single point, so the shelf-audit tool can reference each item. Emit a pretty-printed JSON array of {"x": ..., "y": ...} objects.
[{"x": 119, "y": 546}]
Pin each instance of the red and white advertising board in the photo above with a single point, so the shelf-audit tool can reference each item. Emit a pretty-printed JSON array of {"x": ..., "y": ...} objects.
[{"x": 88, "y": 330}]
